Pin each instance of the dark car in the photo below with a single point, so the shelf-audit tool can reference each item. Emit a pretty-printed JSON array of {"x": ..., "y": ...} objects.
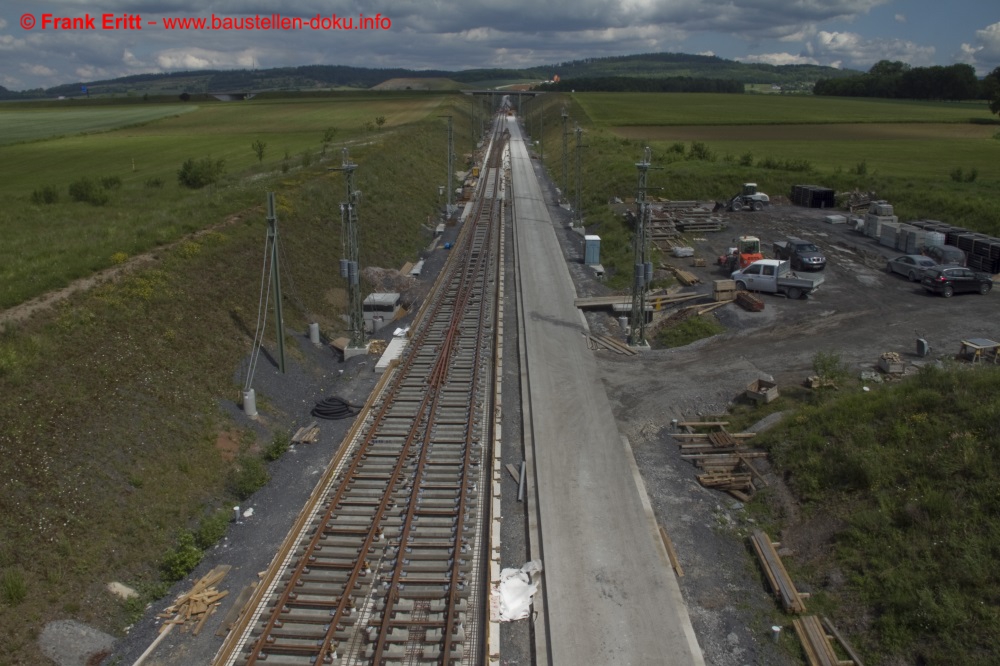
[
  {"x": 910, "y": 265},
  {"x": 802, "y": 254},
  {"x": 951, "y": 279},
  {"x": 946, "y": 254}
]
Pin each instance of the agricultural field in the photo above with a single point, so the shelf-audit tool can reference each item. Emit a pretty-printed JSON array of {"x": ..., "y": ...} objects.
[
  {"x": 51, "y": 239},
  {"x": 658, "y": 109},
  {"x": 21, "y": 124},
  {"x": 111, "y": 466}
]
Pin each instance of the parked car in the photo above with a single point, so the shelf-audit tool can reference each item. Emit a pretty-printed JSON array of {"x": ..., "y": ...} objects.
[
  {"x": 951, "y": 279},
  {"x": 801, "y": 253},
  {"x": 945, "y": 254},
  {"x": 910, "y": 265}
]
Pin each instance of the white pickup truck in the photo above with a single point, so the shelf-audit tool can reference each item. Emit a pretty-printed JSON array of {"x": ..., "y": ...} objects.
[{"x": 775, "y": 277}]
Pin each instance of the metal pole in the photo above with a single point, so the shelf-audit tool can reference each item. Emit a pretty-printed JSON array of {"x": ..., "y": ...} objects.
[
  {"x": 637, "y": 319},
  {"x": 349, "y": 218},
  {"x": 577, "y": 207},
  {"x": 272, "y": 236},
  {"x": 565, "y": 155}
]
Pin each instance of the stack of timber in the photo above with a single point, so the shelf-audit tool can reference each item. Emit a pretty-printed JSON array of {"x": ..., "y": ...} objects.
[
  {"x": 818, "y": 644},
  {"x": 607, "y": 342},
  {"x": 749, "y": 301},
  {"x": 683, "y": 276},
  {"x": 722, "y": 457},
  {"x": 781, "y": 583},
  {"x": 193, "y": 608},
  {"x": 306, "y": 434}
]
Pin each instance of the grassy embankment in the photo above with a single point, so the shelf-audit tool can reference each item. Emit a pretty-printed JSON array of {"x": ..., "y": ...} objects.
[
  {"x": 108, "y": 454},
  {"x": 897, "y": 487}
]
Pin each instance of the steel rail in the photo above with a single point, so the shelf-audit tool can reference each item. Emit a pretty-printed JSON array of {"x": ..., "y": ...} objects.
[{"x": 390, "y": 477}]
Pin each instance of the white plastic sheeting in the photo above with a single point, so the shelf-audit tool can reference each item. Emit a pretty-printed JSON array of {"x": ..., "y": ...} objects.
[{"x": 515, "y": 590}]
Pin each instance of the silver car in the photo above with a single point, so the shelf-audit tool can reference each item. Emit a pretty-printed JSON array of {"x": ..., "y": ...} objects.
[{"x": 910, "y": 265}]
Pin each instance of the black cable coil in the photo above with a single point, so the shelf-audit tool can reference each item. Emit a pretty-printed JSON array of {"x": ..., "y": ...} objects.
[{"x": 334, "y": 408}]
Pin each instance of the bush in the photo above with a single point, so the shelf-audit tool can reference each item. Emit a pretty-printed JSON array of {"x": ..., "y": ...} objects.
[
  {"x": 87, "y": 190},
  {"x": 13, "y": 589},
  {"x": 212, "y": 529},
  {"x": 46, "y": 195},
  {"x": 248, "y": 476},
  {"x": 861, "y": 168},
  {"x": 197, "y": 175},
  {"x": 182, "y": 559},
  {"x": 111, "y": 182},
  {"x": 676, "y": 147},
  {"x": 279, "y": 444},
  {"x": 785, "y": 165},
  {"x": 701, "y": 151},
  {"x": 154, "y": 182},
  {"x": 959, "y": 176},
  {"x": 746, "y": 159},
  {"x": 829, "y": 365}
]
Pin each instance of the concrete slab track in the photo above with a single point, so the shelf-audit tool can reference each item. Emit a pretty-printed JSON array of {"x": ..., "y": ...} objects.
[{"x": 610, "y": 596}]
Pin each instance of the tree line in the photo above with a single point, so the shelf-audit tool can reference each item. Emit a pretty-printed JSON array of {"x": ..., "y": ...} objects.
[
  {"x": 897, "y": 80},
  {"x": 644, "y": 84}
]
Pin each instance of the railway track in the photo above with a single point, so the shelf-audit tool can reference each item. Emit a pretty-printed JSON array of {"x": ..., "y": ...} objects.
[{"x": 388, "y": 563}]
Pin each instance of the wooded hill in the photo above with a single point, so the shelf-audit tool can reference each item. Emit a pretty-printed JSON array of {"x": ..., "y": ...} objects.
[{"x": 316, "y": 77}]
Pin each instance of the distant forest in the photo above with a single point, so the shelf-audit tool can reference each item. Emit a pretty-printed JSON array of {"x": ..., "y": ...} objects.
[
  {"x": 636, "y": 84},
  {"x": 897, "y": 80},
  {"x": 657, "y": 66}
]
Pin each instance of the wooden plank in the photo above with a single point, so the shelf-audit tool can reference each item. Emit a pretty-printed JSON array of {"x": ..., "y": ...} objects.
[
  {"x": 781, "y": 583},
  {"x": 671, "y": 553},
  {"x": 753, "y": 471},
  {"x": 843, "y": 642},
  {"x": 817, "y": 647},
  {"x": 514, "y": 473}
]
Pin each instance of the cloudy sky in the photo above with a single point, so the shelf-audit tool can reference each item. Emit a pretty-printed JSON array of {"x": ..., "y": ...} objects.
[{"x": 40, "y": 48}]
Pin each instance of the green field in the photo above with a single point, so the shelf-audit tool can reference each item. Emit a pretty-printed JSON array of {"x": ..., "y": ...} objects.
[
  {"x": 626, "y": 109},
  {"x": 33, "y": 124},
  {"x": 49, "y": 245}
]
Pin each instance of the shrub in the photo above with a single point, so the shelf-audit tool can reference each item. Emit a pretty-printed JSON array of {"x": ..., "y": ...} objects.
[
  {"x": 861, "y": 168},
  {"x": 279, "y": 444},
  {"x": 182, "y": 559},
  {"x": 46, "y": 195},
  {"x": 13, "y": 588},
  {"x": 87, "y": 190},
  {"x": 197, "y": 175},
  {"x": 247, "y": 477},
  {"x": 746, "y": 159},
  {"x": 960, "y": 176},
  {"x": 212, "y": 529},
  {"x": 306, "y": 159},
  {"x": 154, "y": 182},
  {"x": 829, "y": 365},
  {"x": 119, "y": 258},
  {"x": 676, "y": 147},
  {"x": 785, "y": 165},
  {"x": 111, "y": 182},
  {"x": 701, "y": 151}
]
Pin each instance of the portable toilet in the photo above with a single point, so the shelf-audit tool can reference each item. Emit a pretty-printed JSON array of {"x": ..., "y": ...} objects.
[{"x": 592, "y": 250}]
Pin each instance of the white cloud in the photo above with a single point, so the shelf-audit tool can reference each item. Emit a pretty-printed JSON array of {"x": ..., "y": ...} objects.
[
  {"x": 984, "y": 55},
  {"x": 199, "y": 58},
  {"x": 3, "y": 23},
  {"x": 900, "y": 18},
  {"x": 859, "y": 52},
  {"x": 38, "y": 70},
  {"x": 779, "y": 59}
]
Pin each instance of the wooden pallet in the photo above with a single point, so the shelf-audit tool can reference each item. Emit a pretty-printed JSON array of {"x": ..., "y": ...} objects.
[
  {"x": 306, "y": 434},
  {"x": 781, "y": 583}
]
